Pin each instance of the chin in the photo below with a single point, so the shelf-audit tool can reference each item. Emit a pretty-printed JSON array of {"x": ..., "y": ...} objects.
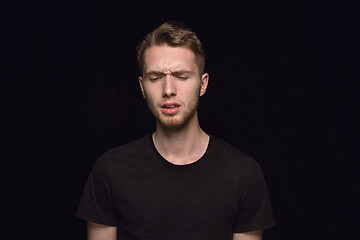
[
  {"x": 177, "y": 121},
  {"x": 172, "y": 124}
]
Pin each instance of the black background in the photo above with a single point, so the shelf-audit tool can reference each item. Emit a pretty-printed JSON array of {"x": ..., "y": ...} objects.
[{"x": 283, "y": 88}]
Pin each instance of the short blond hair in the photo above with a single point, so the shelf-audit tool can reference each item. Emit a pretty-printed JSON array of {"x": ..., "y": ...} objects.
[{"x": 173, "y": 34}]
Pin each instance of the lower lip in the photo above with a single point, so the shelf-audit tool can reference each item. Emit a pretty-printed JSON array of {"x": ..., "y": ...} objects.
[{"x": 170, "y": 111}]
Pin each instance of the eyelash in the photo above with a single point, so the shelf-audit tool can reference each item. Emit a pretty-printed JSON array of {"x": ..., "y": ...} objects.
[
  {"x": 178, "y": 77},
  {"x": 181, "y": 77}
]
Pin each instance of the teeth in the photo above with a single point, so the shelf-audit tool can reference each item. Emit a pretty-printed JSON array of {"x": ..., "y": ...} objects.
[{"x": 170, "y": 106}]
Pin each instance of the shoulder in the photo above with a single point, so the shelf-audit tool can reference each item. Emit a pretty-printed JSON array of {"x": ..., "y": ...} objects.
[
  {"x": 233, "y": 158},
  {"x": 230, "y": 152},
  {"x": 134, "y": 147},
  {"x": 130, "y": 152}
]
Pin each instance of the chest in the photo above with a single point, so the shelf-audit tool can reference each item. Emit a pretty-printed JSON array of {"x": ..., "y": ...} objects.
[{"x": 155, "y": 198}]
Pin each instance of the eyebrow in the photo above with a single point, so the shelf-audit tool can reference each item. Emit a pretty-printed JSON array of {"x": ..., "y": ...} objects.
[
  {"x": 175, "y": 72},
  {"x": 154, "y": 73}
]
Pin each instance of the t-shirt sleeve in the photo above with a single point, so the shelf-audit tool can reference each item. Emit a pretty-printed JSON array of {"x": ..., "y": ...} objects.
[
  {"x": 254, "y": 211},
  {"x": 96, "y": 203}
]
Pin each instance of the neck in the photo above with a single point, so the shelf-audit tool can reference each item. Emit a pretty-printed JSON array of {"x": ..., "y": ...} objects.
[{"x": 181, "y": 146}]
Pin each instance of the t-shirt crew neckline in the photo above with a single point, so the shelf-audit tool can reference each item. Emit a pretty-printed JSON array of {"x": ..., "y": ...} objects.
[{"x": 201, "y": 161}]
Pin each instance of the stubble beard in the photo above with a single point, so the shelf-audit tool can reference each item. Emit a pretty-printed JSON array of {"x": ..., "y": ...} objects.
[{"x": 175, "y": 122}]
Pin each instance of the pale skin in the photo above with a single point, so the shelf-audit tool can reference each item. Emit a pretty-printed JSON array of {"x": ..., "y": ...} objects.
[
  {"x": 177, "y": 79},
  {"x": 171, "y": 77}
]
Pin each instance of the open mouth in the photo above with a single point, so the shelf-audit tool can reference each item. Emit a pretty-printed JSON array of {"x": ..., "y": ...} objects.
[
  {"x": 170, "y": 105},
  {"x": 170, "y": 108}
]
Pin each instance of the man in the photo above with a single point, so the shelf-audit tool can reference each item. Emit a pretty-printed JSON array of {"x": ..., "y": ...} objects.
[{"x": 179, "y": 182}]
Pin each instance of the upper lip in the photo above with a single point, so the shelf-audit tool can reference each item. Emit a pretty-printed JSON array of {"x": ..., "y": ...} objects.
[{"x": 170, "y": 104}]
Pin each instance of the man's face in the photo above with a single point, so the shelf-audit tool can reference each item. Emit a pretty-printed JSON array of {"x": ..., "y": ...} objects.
[{"x": 172, "y": 85}]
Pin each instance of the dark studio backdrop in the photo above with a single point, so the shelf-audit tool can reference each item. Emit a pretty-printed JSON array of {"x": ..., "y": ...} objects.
[{"x": 283, "y": 88}]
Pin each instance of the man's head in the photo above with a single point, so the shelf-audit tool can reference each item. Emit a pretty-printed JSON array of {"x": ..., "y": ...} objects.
[
  {"x": 172, "y": 80},
  {"x": 172, "y": 34}
]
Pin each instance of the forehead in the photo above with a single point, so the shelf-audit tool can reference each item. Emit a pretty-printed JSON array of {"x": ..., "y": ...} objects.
[{"x": 166, "y": 58}]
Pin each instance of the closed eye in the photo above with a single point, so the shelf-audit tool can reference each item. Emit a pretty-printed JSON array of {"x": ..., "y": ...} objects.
[
  {"x": 181, "y": 77},
  {"x": 156, "y": 77}
]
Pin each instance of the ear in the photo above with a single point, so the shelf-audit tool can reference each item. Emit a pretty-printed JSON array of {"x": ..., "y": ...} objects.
[
  {"x": 204, "y": 83},
  {"x": 141, "y": 83}
]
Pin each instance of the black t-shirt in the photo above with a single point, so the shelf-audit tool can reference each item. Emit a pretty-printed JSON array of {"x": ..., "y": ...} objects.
[{"x": 135, "y": 189}]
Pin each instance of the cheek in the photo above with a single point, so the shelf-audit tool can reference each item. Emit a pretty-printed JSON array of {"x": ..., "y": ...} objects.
[
  {"x": 195, "y": 90},
  {"x": 148, "y": 92},
  {"x": 192, "y": 96},
  {"x": 150, "y": 96}
]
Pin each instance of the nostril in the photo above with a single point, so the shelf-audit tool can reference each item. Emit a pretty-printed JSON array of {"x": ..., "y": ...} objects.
[{"x": 169, "y": 93}]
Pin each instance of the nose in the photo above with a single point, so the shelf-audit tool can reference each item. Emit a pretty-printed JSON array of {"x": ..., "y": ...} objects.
[{"x": 169, "y": 89}]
